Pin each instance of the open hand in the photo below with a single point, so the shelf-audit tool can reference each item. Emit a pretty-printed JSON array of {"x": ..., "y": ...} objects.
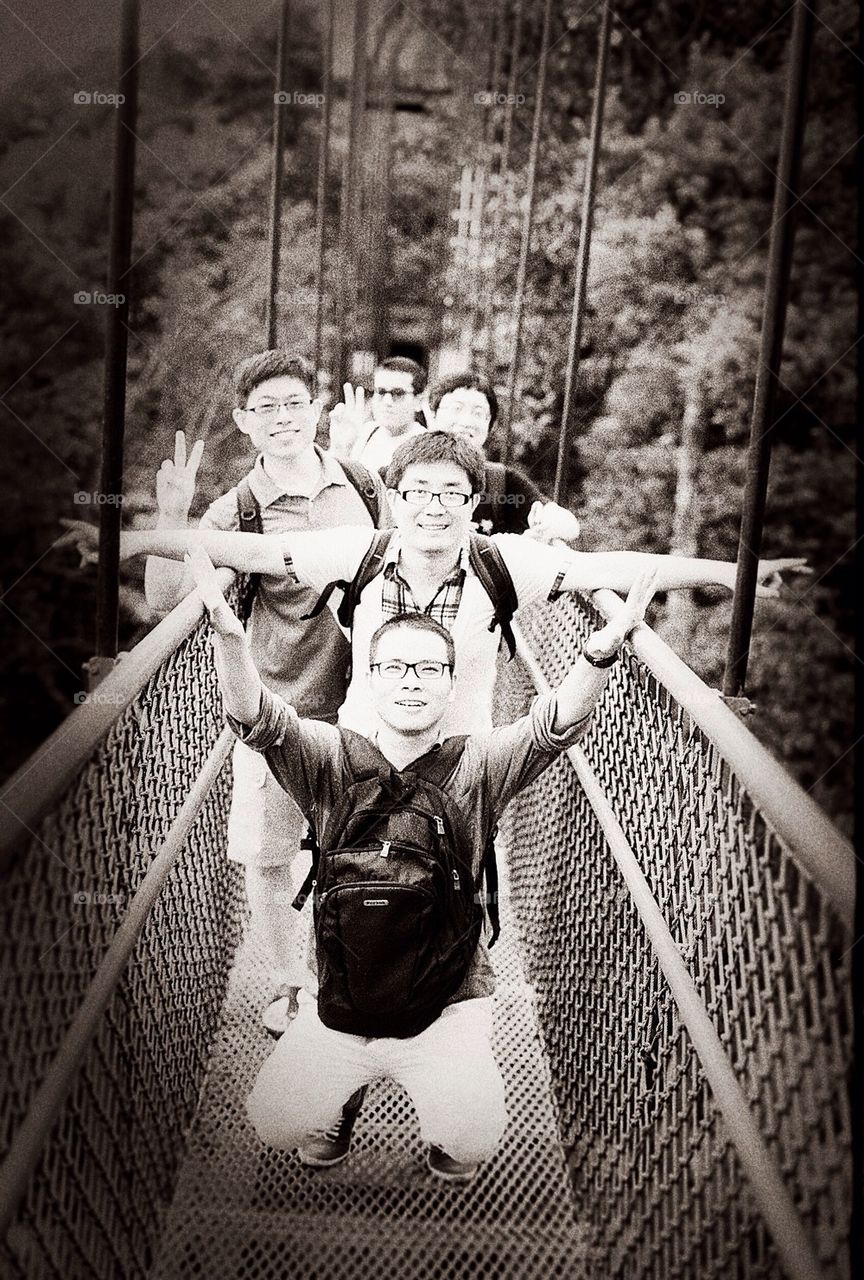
[
  {"x": 609, "y": 639},
  {"x": 346, "y": 419},
  {"x": 175, "y": 479},
  {"x": 769, "y": 575},
  {"x": 84, "y": 537},
  {"x": 222, "y": 617}
]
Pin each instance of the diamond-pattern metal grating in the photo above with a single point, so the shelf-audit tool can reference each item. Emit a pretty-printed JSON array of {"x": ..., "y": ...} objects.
[{"x": 588, "y": 1038}]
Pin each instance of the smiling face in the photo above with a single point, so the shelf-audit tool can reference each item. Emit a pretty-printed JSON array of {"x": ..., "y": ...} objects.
[
  {"x": 465, "y": 412},
  {"x": 429, "y": 526},
  {"x": 287, "y": 431},
  {"x": 394, "y": 404},
  {"x": 410, "y": 704}
]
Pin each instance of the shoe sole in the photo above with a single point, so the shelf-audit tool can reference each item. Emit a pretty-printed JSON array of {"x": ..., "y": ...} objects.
[
  {"x": 316, "y": 1162},
  {"x": 452, "y": 1177}
]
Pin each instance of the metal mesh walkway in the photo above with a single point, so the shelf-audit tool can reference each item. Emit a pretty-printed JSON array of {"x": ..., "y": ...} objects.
[{"x": 249, "y": 1213}]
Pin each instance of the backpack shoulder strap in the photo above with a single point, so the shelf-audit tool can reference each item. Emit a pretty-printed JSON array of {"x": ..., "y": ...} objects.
[
  {"x": 364, "y": 482},
  {"x": 370, "y": 566},
  {"x": 488, "y": 563},
  {"x": 249, "y": 521}
]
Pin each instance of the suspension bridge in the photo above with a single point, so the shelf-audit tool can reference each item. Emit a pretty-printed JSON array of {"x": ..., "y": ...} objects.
[{"x": 673, "y": 1013}]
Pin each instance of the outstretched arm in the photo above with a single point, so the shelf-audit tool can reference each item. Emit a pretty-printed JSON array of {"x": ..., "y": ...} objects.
[
  {"x": 618, "y": 570},
  {"x": 581, "y": 688},
  {"x": 238, "y": 676},
  {"x": 248, "y": 552}
]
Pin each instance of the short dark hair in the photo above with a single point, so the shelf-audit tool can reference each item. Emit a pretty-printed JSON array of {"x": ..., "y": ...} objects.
[
  {"x": 470, "y": 380},
  {"x": 437, "y": 446},
  {"x": 270, "y": 364},
  {"x": 416, "y": 622},
  {"x": 401, "y": 364}
]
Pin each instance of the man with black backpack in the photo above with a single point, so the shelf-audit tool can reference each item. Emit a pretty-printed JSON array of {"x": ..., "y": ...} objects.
[
  {"x": 292, "y": 486},
  {"x": 403, "y": 821}
]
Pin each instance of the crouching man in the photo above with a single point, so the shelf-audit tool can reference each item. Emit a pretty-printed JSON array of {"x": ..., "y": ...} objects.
[{"x": 403, "y": 821}]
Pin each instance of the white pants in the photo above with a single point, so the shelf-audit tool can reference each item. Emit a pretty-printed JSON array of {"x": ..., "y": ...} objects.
[{"x": 447, "y": 1070}]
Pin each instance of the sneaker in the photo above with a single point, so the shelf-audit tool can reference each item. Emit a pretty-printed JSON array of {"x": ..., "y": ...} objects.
[
  {"x": 321, "y": 1150},
  {"x": 280, "y": 1011},
  {"x": 450, "y": 1170}
]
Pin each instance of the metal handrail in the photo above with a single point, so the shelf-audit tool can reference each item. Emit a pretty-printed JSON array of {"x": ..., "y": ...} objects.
[
  {"x": 816, "y": 844},
  {"x": 34, "y": 789},
  {"x": 769, "y": 1190}
]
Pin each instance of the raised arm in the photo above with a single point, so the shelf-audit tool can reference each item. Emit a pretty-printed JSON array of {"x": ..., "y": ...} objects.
[
  {"x": 165, "y": 581},
  {"x": 580, "y": 689},
  {"x": 618, "y": 570},
  {"x": 238, "y": 676}
]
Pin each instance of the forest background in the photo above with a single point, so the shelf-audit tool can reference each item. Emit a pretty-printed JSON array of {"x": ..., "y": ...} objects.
[{"x": 669, "y": 354}]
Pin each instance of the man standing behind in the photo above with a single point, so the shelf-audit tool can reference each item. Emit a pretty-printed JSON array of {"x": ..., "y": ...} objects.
[
  {"x": 465, "y": 405},
  {"x": 397, "y": 395},
  {"x": 293, "y": 486}
]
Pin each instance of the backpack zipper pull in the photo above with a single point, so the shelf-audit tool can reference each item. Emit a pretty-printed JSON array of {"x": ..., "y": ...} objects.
[
  {"x": 455, "y": 877},
  {"x": 439, "y": 824},
  {"x": 385, "y": 848}
]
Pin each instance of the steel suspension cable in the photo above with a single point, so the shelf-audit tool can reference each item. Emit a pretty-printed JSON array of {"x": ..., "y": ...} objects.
[
  {"x": 568, "y": 425},
  {"x": 770, "y": 349},
  {"x": 527, "y": 224},
  {"x": 323, "y": 175},
  {"x": 279, "y": 97}
]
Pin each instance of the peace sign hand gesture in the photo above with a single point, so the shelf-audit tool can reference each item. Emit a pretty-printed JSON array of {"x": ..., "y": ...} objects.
[
  {"x": 175, "y": 480},
  {"x": 346, "y": 419}
]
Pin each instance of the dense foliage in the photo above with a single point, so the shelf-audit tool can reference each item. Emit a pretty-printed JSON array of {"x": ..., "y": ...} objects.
[{"x": 671, "y": 335}]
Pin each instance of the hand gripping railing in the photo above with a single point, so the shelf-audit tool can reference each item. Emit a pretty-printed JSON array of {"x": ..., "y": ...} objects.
[
  {"x": 686, "y": 915},
  {"x": 112, "y": 850}
]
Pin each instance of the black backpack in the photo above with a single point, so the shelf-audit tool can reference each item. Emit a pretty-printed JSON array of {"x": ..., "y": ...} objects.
[
  {"x": 397, "y": 909},
  {"x": 484, "y": 557},
  {"x": 249, "y": 516}
]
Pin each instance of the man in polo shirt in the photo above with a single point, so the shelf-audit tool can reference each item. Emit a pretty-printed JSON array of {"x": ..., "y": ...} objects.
[
  {"x": 434, "y": 480},
  {"x": 465, "y": 404},
  {"x": 397, "y": 396},
  {"x": 300, "y": 1094},
  {"x": 296, "y": 487}
]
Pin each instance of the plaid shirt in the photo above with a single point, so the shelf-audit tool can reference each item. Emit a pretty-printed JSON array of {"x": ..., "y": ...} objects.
[{"x": 397, "y": 597}]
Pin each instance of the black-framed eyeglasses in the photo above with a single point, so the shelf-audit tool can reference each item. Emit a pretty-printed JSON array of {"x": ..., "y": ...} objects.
[
  {"x": 268, "y": 410},
  {"x": 396, "y": 669},
  {"x": 395, "y": 393},
  {"x": 447, "y": 498}
]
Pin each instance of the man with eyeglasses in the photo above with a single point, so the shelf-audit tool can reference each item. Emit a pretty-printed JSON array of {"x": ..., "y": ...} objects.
[
  {"x": 309, "y": 1090},
  {"x": 466, "y": 405},
  {"x": 397, "y": 396},
  {"x": 292, "y": 486}
]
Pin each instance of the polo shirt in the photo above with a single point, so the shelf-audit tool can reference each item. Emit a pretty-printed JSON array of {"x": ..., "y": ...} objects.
[
  {"x": 320, "y": 558},
  {"x": 305, "y": 661},
  {"x": 308, "y": 760}
]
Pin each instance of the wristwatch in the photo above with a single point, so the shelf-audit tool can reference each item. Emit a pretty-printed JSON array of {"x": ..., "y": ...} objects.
[{"x": 600, "y": 660}]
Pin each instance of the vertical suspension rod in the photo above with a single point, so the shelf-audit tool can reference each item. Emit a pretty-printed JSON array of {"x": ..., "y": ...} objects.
[
  {"x": 279, "y": 104},
  {"x": 770, "y": 349},
  {"x": 323, "y": 175},
  {"x": 568, "y": 425},
  {"x": 116, "y": 342},
  {"x": 350, "y": 195},
  {"x": 527, "y": 223}
]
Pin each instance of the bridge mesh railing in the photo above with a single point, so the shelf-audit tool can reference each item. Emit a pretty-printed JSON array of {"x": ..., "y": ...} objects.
[
  {"x": 95, "y": 1203},
  {"x": 655, "y": 1176},
  {"x": 656, "y": 1179}
]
